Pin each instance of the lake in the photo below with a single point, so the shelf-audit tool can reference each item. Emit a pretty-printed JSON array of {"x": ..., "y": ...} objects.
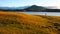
[{"x": 43, "y": 13}]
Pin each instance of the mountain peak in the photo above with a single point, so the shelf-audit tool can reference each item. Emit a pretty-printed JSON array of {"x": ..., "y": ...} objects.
[{"x": 34, "y": 5}]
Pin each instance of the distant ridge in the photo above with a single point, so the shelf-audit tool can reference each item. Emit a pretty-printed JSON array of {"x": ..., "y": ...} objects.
[
  {"x": 26, "y": 8},
  {"x": 33, "y": 8}
]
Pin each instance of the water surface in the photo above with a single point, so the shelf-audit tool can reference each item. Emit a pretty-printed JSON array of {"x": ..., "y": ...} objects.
[{"x": 43, "y": 13}]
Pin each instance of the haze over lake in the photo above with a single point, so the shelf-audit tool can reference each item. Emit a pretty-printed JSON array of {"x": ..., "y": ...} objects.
[{"x": 43, "y": 13}]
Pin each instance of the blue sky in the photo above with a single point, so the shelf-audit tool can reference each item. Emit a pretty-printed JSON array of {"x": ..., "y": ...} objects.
[{"x": 18, "y": 3}]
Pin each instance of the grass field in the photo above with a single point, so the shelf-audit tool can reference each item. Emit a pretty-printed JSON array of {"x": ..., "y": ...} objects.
[{"x": 18, "y": 23}]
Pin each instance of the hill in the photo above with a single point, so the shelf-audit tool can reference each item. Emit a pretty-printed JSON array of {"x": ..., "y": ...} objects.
[
  {"x": 35, "y": 8},
  {"x": 32, "y": 8},
  {"x": 18, "y": 23}
]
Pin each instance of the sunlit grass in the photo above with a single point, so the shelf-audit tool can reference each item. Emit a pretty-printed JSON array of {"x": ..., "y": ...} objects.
[{"x": 18, "y": 23}]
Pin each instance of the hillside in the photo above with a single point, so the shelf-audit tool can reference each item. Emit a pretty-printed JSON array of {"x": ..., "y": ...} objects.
[
  {"x": 35, "y": 8},
  {"x": 18, "y": 23},
  {"x": 32, "y": 8}
]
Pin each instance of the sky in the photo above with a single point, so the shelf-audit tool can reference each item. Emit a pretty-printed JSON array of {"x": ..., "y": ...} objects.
[{"x": 18, "y": 3}]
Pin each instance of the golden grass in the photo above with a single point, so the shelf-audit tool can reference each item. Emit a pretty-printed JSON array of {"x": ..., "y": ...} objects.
[{"x": 18, "y": 23}]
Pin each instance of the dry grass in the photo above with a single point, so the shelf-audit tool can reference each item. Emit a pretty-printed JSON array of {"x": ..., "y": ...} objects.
[{"x": 18, "y": 23}]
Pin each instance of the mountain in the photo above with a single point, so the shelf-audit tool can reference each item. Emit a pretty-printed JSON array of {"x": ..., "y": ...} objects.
[
  {"x": 27, "y": 8},
  {"x": 35, "y": 8},
  {"x": 18, "y": 23},
  {"x": 13, "y": 8},
  {"x": 24, "y": 7},
  {"x": 51, "y": 7}
]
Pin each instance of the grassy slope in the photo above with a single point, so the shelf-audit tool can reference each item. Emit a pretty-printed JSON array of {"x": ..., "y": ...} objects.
[{"x": 17, "y": 23}]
